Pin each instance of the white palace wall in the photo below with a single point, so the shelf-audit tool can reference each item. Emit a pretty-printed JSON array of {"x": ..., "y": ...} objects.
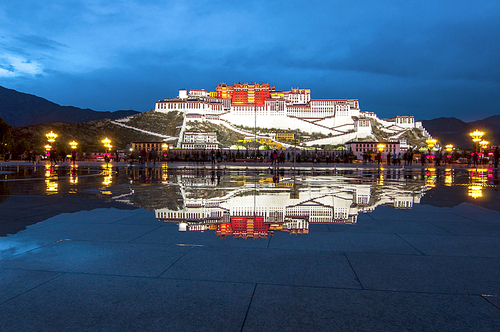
[{"x": 341, "y": 118}]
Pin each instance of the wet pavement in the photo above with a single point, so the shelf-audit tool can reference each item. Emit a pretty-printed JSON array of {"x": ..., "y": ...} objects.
[{"x": 186, "y": 247}]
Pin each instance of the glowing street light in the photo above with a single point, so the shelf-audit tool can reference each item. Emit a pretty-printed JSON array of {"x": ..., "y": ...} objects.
[
  {"x": 431, "y": 142},
  {"x": 73, "y": 145},
  {"x": 381, "y": 147},
  {"x": 107, "y": 143},
  {"x": 476, "y": 136},
  {"x": 48, "y": 147},
  {"x": 449, "y": 147},
  {"x": 51, "y": 137},
  {"x": 484, "y": 144}
]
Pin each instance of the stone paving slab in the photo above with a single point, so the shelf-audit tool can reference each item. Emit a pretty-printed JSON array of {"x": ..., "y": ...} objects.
[
  {"x": 415, "y": 214},
  {"x": 82, "y": 302},
  {"x": 343, "y": 242},
  {"x": 484, "y": 228},
  {"x": 12, "y": 246},
  {"x": 283, "y": 267},
  {"x": 469, "y": 246},
  {"x": 390, "y": 227},
  {"x": 495, "y": 300},
  {"x": 100, "y": 215},
  {"x": 14, "y": 282},
  {"x": 169, "y": 234},
  {"x": 433, "y": 274},
  {"x": 142, "y": 217},
  {"x": 89, "y": 232},
  {"x": 285, "y": 308},
  {"x": 127, "y": 259}
]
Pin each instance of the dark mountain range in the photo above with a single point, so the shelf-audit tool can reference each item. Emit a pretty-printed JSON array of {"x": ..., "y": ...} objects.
[
  {"x": 456, "y": 132},
  {"x": 21, "y": 109}
]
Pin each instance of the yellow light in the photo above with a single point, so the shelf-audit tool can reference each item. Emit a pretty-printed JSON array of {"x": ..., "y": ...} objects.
[
  {"x": 448, "y": 179},
  {"x": 73, "y": 145},
  {"x": 107, "y": 180},
  {"x": 51, "y": 137},
  {"x": 475, "y": 191},
  {"x": 484, "y": 144},
  {"x": 164, "y": 146},
  {"x": 381, "y": 147},
  {"x": 476, "y": 135},
  {"x": 449, "y": 147},
  {"x": 107, "y": 172},
  {"x": 431, "y": 142},
  {"x": 48, "y": 147},
  {"x": 51, "y": 186}
]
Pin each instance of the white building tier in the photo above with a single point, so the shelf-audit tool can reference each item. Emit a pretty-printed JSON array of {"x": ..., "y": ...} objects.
[{"x": 292, "y": 109}]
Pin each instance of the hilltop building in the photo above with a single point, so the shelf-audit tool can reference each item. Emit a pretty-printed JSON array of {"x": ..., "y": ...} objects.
[{"x": 261, "y": 105}]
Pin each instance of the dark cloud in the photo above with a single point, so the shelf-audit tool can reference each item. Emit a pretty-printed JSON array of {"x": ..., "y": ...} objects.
[
  {"x": 39, "y": 42},
  {"x": 414, "y": 57}
]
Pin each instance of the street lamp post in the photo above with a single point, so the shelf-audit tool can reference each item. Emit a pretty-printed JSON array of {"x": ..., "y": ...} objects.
[
  {"x": 51, "y": 138},
  {"x": 380, "y": 148},
  {"x": 484, "y": 145},
  {"x": 164, "y": 148},
  {"x": 107, "y": 145},
  {"x": 476, "y": 138},
  {"x": 430, "y": 144},
  {"x": 73, "y": 146}
]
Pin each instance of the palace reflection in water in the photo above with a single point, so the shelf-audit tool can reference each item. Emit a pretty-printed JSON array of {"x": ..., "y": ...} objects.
[{"x": 257, "y": 206}]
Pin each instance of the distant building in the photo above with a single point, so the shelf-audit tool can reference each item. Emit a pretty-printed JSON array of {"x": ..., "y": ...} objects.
[
  {"x": 205, "y": 141},
  {"x": 359, "y": 148},
  {"x": 148, "y": 146},
  {"x": 285, "y": 137}
]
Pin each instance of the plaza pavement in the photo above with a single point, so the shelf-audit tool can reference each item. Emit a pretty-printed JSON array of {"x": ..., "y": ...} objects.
[{"x": 113, "y": 269}]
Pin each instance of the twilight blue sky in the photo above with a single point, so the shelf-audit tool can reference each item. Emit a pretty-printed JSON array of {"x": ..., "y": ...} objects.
[{"x": 423, "y": 58}]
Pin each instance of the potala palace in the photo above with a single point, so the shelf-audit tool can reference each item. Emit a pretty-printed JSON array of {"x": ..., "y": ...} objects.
[{"x": 261, "y": 105}]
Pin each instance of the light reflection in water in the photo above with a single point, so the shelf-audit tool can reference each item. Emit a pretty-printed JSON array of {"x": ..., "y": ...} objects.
[
  {"x": 430, "y": 178},
  {"x": 51, "y": 180},
  {"x": 164, "y": 174},
  {"x": 73, "y": 179},
  {"x": 448, "y": 178},
  {"x": 108, "y": 175},
  {"x": 380, "y": 179},
  {"x": 256, "y": 209},
  {"x": 478, "y": 180}
]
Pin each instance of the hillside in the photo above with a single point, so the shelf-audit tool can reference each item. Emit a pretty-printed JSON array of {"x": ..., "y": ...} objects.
[
  {"x": 89, "y": 134},
  {"x": 21, "y": 109},
  {"x": 158, "y": 122},
  {"x": 456, "y": 132},
  {"x": 225, "y": 136}
]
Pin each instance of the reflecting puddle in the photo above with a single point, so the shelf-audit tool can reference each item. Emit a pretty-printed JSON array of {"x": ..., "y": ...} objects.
[{"x": 243, "y": 203}]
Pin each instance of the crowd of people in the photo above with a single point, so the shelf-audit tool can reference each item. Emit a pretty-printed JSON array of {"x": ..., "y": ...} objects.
[{"x": 275, "y": 157}]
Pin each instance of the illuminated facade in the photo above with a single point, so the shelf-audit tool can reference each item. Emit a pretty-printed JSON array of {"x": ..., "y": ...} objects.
[
  {"x": 196, "y": 141},
  {"x": 249, "y": 212},
  {"x": 360, "y": 148},
  {"x": 148, "y": 146},
  {"x": 261, "y": 105}
]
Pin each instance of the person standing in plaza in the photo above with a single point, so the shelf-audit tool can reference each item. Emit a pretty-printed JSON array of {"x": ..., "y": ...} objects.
[
  {"x": 53, "y": 156},
  {"x": 496, "y": 155},
  {"x": 73, "y": 156}
]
